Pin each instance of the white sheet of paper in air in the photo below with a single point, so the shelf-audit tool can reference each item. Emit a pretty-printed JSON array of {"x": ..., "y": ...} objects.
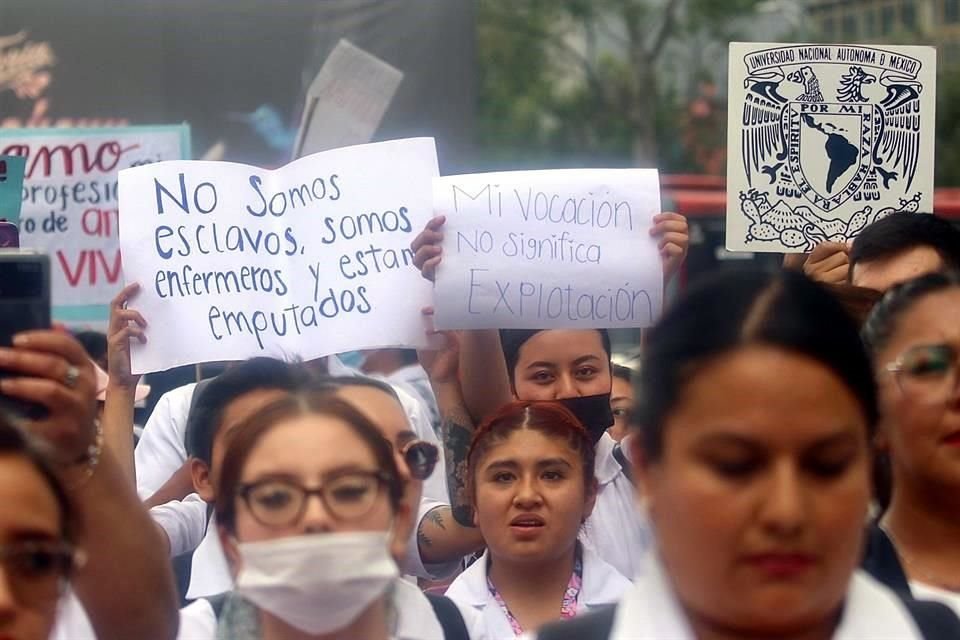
[
  {"x": 346, "y": 101},
  {"x": 306, "y": 260},
  {"x": 548, "y": 249},
  {"x": 824, "y": 140}
]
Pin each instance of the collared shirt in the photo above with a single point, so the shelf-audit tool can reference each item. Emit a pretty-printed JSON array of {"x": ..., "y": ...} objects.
[
  {"x": 617, "y": 529},
  {"x": 568, "y": 604},
  {"x": 650, "y": 611},
  {"x": 602, "y": 585},
  {"x": 415, "y": 620},
  {"x": 209, "y": 571}
]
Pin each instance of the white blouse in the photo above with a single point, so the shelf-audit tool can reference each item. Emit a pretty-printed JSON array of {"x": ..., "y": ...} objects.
[
  {"x": 602, "y": 585},
  {"x": 617, "y": 529},
  {"x": 650, "y": 611}
]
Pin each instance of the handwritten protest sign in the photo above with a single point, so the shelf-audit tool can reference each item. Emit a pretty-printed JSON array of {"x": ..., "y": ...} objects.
[
  {"x": 69, "y": 201},
  {"x": 346, "y": 101},
  {"x": 307, "y": 260},
  {"x": 824, "y": 140},
  {"x": 544, "y": 249}
]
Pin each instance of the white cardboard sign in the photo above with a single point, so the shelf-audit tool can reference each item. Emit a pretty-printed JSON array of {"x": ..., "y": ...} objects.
[
  {"x": 346, "y": 101},
  {"x": 549, "y": 249},
  {"x": 307, "y": 260},
  {"x": 826, "y": 139}
]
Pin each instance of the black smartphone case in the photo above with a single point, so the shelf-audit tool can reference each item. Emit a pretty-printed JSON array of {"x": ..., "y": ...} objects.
[{"x": 24, "y": 305}]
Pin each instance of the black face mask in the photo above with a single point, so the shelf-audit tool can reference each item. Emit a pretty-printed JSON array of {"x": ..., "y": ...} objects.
[{"x": 593, "y": 412}]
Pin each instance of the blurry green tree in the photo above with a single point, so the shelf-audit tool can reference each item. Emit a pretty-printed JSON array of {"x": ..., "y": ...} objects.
[
  {"x": 575, "y": 82},
  {"x": 948, "y": 129}
]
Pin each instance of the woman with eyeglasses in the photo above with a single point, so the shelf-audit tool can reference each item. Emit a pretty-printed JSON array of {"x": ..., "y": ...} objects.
[
  {"x": 531, "y": 478},
  {"x": 312, "y": 517},
  {"x": 37, "y": 552},
  {"x": 757, "y": 405},
  {"x": 915, "y": 337}
]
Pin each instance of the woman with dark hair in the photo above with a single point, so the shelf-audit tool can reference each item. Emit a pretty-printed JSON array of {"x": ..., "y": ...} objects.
[
  {"x": 757, "y": 407},
  {"x": 915, "y": 339},
  {"x": 38, "y": 555},
  {"x": 532, "y": 485},
  {"x": 571, "y": 367},
  {"x": 312, "y": 518}
]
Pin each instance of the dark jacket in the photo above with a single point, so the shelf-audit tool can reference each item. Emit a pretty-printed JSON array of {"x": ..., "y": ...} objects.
[{"x": 881, "y": 561}]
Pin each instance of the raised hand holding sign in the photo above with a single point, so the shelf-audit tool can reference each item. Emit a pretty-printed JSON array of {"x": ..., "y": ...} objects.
[{"x": 307, "y": 260}]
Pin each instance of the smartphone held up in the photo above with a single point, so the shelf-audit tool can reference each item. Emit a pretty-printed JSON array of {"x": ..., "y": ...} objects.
[{"x": 24, "y": 306}]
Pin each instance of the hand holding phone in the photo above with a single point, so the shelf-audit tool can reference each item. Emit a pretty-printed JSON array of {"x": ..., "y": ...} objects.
[
  {"x": 24, "y": 306},
  {"x": 49, "y": 368}
]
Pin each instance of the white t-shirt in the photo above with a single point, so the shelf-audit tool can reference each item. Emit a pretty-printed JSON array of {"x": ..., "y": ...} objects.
[
  {"x": 415, "y": 618},
  {"x": 923, "y": 591},
  {"x": 184, "y": 522},
  {"x": 617, "y": 529}
]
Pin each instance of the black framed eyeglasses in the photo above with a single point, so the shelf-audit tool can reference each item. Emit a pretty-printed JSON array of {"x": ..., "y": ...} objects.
[
  {"x": 38, "y": 570},
  {"x": 421, "y": 458},
  {"x": 346, "y": 496},
  {"x": 927, "y": 373}
]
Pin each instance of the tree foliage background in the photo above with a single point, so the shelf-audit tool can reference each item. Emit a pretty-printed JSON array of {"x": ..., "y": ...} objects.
[
  {"x": 631, "y": 83},
  {"x": 580, "y": 82}
]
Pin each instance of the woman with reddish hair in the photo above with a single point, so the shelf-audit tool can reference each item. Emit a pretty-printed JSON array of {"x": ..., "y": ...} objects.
[{"x": 531, "y": 478}]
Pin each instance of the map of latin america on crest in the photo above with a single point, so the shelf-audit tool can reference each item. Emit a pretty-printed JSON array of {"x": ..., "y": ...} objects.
[{"x": 823, "y": 140}]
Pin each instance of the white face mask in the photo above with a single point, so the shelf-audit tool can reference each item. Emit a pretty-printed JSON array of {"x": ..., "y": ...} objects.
[{"x": 317, "y": 583}]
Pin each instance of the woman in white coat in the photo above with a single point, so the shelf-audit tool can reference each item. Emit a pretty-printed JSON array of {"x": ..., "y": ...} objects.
[
  {"x": 757, "y": 408},
  {"x": 531, "y": 475}
]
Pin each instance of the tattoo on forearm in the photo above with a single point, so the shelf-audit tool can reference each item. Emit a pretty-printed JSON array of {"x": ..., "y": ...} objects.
[
  {"x": 423, "y": 540},
  {"x": 434, "y": 518},
  {"x": 456, "y": 445}
]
